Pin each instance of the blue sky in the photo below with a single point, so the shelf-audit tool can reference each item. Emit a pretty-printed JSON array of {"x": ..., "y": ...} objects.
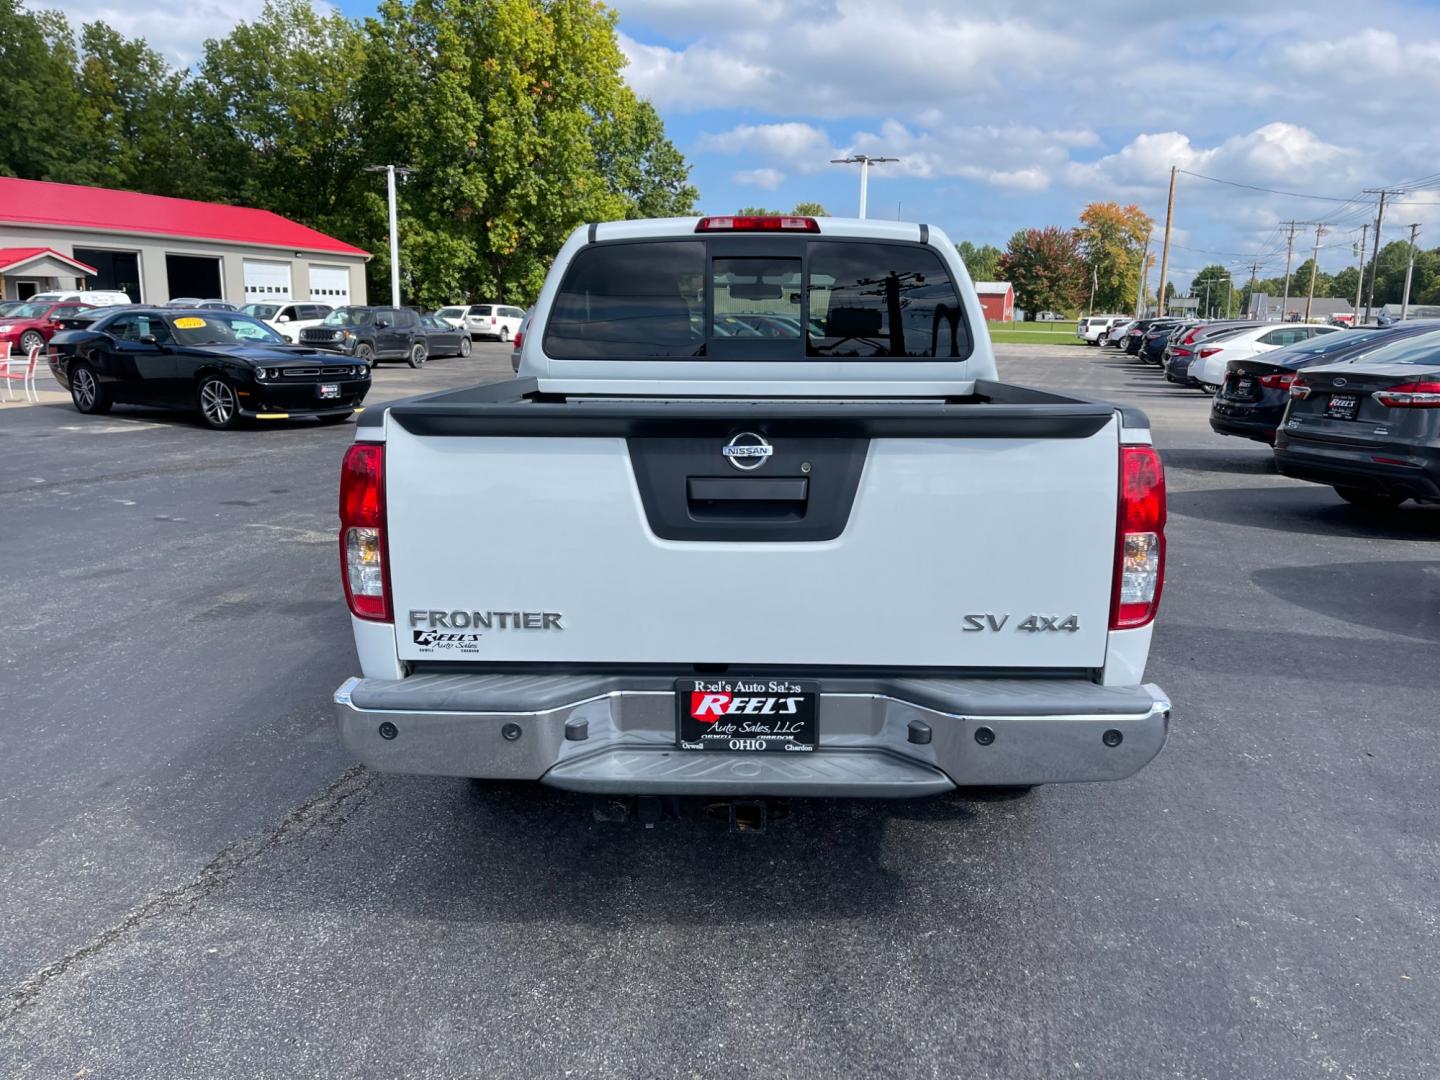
[{"x": 1006, "y": 116}]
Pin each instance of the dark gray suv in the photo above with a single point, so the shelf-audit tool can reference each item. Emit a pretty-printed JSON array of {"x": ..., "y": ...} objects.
[{"x": 371, "y": 334}]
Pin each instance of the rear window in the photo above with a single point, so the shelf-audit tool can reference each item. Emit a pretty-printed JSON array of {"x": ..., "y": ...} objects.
[
  {"x": 481, "y": 309},
  {"x": 770, "y": 301},
  {"x": 1422, "y": 349}
]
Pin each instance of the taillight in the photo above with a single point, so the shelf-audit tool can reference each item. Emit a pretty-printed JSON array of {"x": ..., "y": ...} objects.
[
  {"x": 364, "y": 565},
  {"x": 757, "y": 224},
  {"x": 492, "y": 320},
  {"x": 1189, "y": 339},
  {"x": 1211, "y": 351},
  {"x": 1278, "y": 380},
  {"x": 1140, "y": 539},
  {"x": 1299, "y": 388},
  {"x": 1411, "y": 395},
  {"x": 1179, "y": 351},
  {"x": 519, "y": 337}
]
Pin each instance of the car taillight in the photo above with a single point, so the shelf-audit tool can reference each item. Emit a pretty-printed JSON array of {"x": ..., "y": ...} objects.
[
  {"x": 757, "y": 224},
  {"x": 1299, "y": 388},
  {"x": 1411, "y": 395},
  {"x": 1189, "y": 339},
  {"x": 1211, "y": 351},
  {"x": 519, "y": 337},
  {"x": 364, "y": 564},
  {"x": 1278, "y": 380},
  {"x": 1140, "y": 539},
  {"x": 1179, "y": 351},
  {"x": 492, "y": 320}
]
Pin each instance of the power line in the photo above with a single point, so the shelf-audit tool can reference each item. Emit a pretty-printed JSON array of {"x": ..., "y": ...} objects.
[{"x": 1268, "y": 191}]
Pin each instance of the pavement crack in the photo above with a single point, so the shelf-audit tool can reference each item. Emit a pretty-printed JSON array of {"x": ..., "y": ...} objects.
[{"x": 330, "y": 808}]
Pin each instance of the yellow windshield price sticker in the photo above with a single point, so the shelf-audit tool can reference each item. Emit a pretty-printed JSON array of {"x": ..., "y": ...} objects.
[{"x": 189, "y": 322}]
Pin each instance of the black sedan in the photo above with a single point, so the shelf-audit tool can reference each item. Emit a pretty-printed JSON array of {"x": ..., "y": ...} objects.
[
  {"x": 222, "y": 365},
  {"x": 1251, "y": 401},
  {"x": 443, "y": 339},
  {"x": 1370, "y": 426}
]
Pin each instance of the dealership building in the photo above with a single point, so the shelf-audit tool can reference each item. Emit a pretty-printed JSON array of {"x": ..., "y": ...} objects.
[{"x": 153, "y": 248}]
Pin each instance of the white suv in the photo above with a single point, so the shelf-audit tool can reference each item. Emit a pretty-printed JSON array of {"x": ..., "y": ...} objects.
[
  {"x": 1092, "y": 330},
  {"x": 494, "y": 320}
]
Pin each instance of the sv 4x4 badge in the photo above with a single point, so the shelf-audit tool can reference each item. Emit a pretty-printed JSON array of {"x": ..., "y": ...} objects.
[{"x": 1034, "y": 624}]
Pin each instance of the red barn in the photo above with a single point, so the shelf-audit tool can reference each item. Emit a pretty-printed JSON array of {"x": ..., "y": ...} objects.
[{"x": 998, "y": 300}]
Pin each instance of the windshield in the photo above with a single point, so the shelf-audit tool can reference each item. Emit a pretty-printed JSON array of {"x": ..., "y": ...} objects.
[
  {"x": 348, "y": 316},
  {"x": 221, "y": 328},
  {"x": 28, "y": 311},
  {"x": 260, "y": 311}
]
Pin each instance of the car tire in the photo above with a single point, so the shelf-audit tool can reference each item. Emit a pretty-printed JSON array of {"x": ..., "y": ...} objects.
[
  {"x": 365, "y": 354},
  {"x": 1369, "y": 500},
  {"x": 86, "y": 392},
  {"x": 504, "y": 333},
  {"x": 417, "y": 356},
  {"x": 465, "y": 345},
  {"x": 217, "y": 403},
  {"x": 31, "y": 339}
]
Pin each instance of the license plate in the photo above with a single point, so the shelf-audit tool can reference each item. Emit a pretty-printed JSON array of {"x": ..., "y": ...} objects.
[
  {"x": 1244, "y": 386},
  {"x": 1342, "y": 406},
  {"x": 746, "y": 715},
  {"x": 329, "y": 390}
]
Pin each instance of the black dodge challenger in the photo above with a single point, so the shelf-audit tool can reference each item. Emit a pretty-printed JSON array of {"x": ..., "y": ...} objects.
[{"x": 222, "y": 365}]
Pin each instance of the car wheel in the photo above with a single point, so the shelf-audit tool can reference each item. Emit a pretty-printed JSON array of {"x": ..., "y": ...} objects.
[
  {"x": 86, "y": 392},
  {"x": 218, "y": 403},
  {"x": 417, "y": 355},
  {"x": 31, "y": 339},
  {"x": 1369, "y": 500},
  {"x": 365, "y": 355},
  {"x": 465, "y": 345},
  {"x": 504, "y": 333}
]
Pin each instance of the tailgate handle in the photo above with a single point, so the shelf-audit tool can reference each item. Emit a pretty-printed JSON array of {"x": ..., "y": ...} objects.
[{"x": 737, "y": 490}]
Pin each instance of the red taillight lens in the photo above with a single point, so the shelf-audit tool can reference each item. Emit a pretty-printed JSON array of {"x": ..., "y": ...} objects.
[
  {"x": 364, "y": 561},
  {"x": 1211, "y": 351},
  {"x": 1299, "y": 388},
  {"x": 757, "y": 224},
  {"x": 1179, "y": 351},
  {"x": 1278, "y": 380},
  {"x": 1140, "y": 539},
  {"x": 519, "y": 337},
  {"x": 1411, "y": 395}
]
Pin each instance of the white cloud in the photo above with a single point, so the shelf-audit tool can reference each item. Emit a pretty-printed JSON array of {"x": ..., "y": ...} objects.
[
  {"x": 769, "y": 179},
  {"x": 800, "y": 146},
  {"x": 177, "y": 29}
]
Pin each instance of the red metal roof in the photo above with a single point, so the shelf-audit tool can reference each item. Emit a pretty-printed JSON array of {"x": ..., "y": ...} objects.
[
  {"x": 38, "y": 202},
  {"x": 13, "y": 257}
]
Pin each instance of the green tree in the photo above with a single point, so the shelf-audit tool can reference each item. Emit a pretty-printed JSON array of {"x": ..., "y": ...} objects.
[
  {"x": 1112, "y": 238},
  {"x": 42, "y": 130},
  {"x": 758, "y": 211},
  {"x": 1300, "y": 280},
  {"x": 642, "y": 165},
  {"x": 1045, "y": 268},
  {"x": 137, "y": 111},
  {"x": 278, "y": 119},
  {"x": 1344, "y": 284},
  {"x": 980, "y": 261},
  {"x": 1212, "y": 287},
  {"x": 810, "y": 209}
]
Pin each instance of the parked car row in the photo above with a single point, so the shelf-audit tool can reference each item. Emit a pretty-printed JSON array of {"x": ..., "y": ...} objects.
[{"x": 1357, "y": 410}]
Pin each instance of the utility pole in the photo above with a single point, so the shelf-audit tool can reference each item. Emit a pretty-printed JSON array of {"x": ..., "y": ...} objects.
[
  {"x": 1409, "y": 271},
  {"x": 864, "y": 161},
  {"x": 1207, "y": 299},
  {"x": 1314, "y": 263},
  {"x": 1165, "y": 251},
  {"x": 1289, "y": 252},
  {"x": 1375, "y": 253},
  {"x": 1254, "y": 269},
  {"x": 1094, "y": 281},
  {"x": 1229, "y": 293},
  {"x": 1144, "y": 275},
  {"x": 1360, "y": 285},
  {"x": 391, "y": 171}
]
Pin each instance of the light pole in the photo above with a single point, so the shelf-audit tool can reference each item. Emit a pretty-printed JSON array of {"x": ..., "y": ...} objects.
[
  {"x": 864, "y": 161},
  {"x": 390, "y": 172}
]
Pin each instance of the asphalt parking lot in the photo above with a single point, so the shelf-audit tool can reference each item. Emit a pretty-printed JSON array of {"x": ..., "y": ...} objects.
[{"x": 196, "y": 881}]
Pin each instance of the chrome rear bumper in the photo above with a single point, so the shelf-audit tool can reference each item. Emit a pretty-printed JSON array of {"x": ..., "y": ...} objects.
[{"x": 906, "y": 738}]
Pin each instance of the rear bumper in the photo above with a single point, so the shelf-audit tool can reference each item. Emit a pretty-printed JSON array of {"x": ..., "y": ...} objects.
[
  {"x": 1249, "y": 423},
  {"x": 1341, "y": 466},
  {"x": 892, "y": 739}
]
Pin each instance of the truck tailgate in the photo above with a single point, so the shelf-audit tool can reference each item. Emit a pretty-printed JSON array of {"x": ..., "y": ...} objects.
[{"x": 955, "y": 551}]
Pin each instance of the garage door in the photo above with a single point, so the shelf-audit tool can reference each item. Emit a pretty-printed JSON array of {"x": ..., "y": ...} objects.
[
  {"x": 330, "y": 284},
  {"x": 266, "y": 279}
]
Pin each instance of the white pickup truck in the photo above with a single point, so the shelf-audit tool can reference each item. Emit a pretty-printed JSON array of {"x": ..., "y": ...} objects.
[{"x": 754, "y": 519}]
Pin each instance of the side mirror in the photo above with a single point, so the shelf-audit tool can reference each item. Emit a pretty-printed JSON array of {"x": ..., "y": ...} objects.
[
  {"x": 149, "y": 339},
  {"x": 283, "y": 318}
]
